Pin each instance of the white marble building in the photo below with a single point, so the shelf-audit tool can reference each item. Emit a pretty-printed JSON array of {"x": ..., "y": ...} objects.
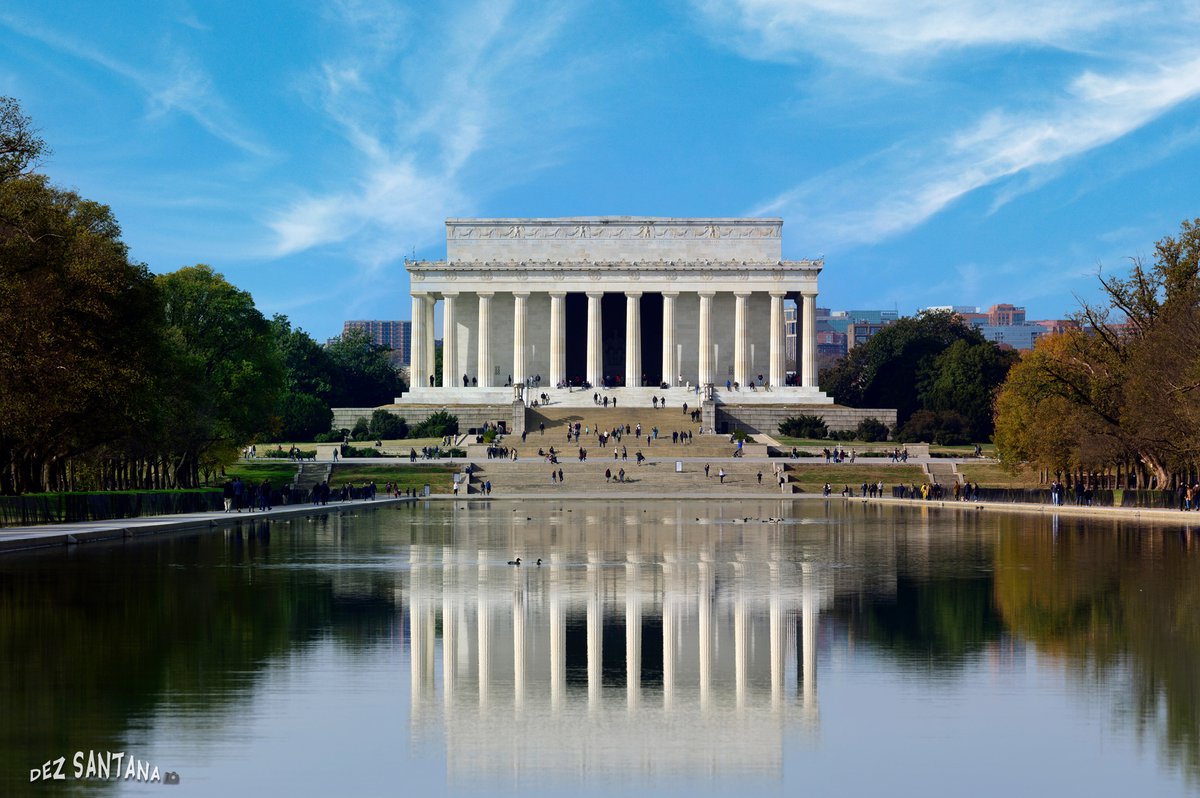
[{"x": 618, "y": 301}]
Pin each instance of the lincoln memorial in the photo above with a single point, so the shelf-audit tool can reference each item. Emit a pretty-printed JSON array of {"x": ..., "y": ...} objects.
[{"x": 645, "y": 307}]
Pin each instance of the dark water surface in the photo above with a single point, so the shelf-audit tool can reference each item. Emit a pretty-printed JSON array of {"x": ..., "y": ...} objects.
[{"x": 662, "y": 648}]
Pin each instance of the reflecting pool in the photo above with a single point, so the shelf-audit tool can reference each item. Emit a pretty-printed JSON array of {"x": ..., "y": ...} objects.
[{"x": 675, "y": 648}]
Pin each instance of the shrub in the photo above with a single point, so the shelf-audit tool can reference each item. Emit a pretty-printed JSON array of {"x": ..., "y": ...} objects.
[
  {"x": 333, "y": 436},
  {"x": 943, "y": 427},
  {"x": 387, "y": 425},
  {"x": 804, "y": 427},
  {"x": 361, "y": 451},
  {"x": 361, "y": 431},
  {"x": 738, "y": 435},
  {"x": 871, "y": 430},
  {"x": 437, "y": 425}
]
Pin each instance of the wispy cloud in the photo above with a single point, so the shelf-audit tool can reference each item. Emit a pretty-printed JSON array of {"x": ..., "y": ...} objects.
[
  {"x": 893, "y": 191},
  {"x": 180, "y": 84},
  {"x": 873, "y": 32},
  {"x": 1134, "y": 63},
  {"x": 449, "y": 97}
]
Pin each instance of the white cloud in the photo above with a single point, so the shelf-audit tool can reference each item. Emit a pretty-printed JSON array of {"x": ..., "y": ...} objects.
[
  {"x": 181, "y": 85},
  {"x": 898, "y": 189},
  {"x": 862, "y": 31},
  {"x": 449, "y": 98}
]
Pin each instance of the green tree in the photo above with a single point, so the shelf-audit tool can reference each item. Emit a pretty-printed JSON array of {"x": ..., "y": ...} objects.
[
  {"x": 224, "y": 373},
  {"x": 79, "y": 326},
  {"x": 20, "y": 146},
  {"x": 384, "y": 424},
  {"x": 963, "y": 380},
  {"x": 890, "y": 369},
  {"x": 362, "y": 375}
]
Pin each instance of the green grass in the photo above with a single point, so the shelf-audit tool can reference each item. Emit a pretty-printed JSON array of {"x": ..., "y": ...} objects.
[
  {"x": 993, "y": 475},
  {"x": 812, "y": 478},
  {"x": 966, "y": 450},
  {"x": 825, "y": 443},
  {"x": 256, "y": 471},
  {"x": 415, "y": 475}
]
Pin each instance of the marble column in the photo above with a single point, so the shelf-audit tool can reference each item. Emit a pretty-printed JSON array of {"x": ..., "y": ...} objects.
[
  {"x": 595, "y": 345},
  {"x": 430, "y": 346},
  {"x": 484, "y": 334},
  {"x": 633, "y": 339},
  {"x": 670, "y": 369},
  {"x": 418, "y": 376},
  {"x": 558, "y": 338},
  {"x": 519, "y": 300},
  {"x": 450, "y": 375},
  {"x": 808, "y": 341},
  {"x": 740, "y": 344},
  {"x": 778, "y": 362},
  {"x": 706, "y": 350}
]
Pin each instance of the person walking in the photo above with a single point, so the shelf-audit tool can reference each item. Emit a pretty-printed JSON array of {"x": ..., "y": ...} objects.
[
  {"x": 721, "y": 475},
  {"x": 706, "y": 470}
]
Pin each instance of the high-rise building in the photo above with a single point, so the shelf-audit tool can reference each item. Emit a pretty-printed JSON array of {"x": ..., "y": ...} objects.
[{"x": 392, "y": 335}]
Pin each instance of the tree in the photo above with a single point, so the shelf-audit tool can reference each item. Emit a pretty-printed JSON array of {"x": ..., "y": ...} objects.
[
  {"x": 909, "y": 365},
  {"x": 384, "y": 424},
  {"x": 804, "y": 427},
  {"x": 79, "y": 332},
  {"x": 362, "y": 375},
  {"x": 20, "y": 146},
  {"x": 224, "y": 373}
]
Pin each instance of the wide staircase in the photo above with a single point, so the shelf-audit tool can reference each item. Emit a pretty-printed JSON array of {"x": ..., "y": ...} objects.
[
  {"x": 310, "y": 474},
  {"x": 652, "y": 477},
  {"x": 668, "y": 420},
  {"x": 943, "y": 473}
]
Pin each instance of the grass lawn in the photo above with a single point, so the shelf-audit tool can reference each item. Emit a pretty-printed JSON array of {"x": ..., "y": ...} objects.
[
  {"x": 822, "y": 443},
  {"x": 993, "y": 475},
  {"x": 278, "y": 471},
  {"x": 966, "y": 450},
  {"x": 812, "y": 478},
  {"x": 417, "y": 475}
]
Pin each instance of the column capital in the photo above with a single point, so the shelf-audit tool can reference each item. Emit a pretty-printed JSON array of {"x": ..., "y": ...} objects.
[
  {"x": 670, "y": 294},
  {"x": 419, "y": 294},
  {"x": 522, "y": 294},
  {"x": 558, "y": 294},
  {"x": 633, "y": 294},
  {"x": 485, "y": 294},
  {"x": 594, "y": 294},
  {"x": 706, "y": 294},
  {"x": 809, "y": 294},
  {"x": 779, "y": 294},
  {"x": 449, "y": 294},
  {"x": 743, "y": 294}
]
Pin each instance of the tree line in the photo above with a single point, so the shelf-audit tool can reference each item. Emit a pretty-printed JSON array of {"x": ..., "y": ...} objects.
[
  {"x": 112, "y": 377},
  {"x": 1117, "y": 400}
]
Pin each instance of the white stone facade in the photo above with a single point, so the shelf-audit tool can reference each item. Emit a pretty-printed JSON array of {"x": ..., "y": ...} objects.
[{"x": 699, "y": 302}]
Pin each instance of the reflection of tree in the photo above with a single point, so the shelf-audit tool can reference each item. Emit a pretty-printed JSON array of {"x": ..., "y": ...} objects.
[
  {"x": 938, "y": 620},
  {"x": 1122, "y": 605},
  {"x": 92, "y": 643}
]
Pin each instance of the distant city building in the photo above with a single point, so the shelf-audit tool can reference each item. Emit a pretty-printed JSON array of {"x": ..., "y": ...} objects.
[{"x": 395, "y": 336}]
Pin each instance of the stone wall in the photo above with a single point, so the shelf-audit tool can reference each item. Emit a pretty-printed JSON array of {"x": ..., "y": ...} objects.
[
  {"x": 766, "y": 419},
  {"x": 469, "y": 416}
]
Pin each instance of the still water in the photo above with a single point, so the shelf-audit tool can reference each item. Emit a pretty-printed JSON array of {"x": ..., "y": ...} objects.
[{"x": 672, "y": 648}]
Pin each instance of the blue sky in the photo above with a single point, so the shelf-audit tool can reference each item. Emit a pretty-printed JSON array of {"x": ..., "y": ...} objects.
[{"x": 934, "y": 152}]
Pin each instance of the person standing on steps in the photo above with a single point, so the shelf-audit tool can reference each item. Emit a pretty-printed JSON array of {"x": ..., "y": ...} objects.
[
  {"x": 721, "y": 475},
  {"x": 706, "y": 470}
]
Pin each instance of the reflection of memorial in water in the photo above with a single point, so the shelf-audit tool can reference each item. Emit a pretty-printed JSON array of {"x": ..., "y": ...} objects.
[{"x": 627, "y": 650}]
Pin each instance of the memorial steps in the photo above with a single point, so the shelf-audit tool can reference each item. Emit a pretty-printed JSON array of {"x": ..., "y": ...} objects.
[
  {"x": 557, "y": 419},
  {"x": 656, "y": 477}
]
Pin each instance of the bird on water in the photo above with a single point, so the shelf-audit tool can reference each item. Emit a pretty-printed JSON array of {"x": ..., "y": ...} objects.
[
  {"x": 539, "y": 562},
  {"x": 515, "y": 562}
]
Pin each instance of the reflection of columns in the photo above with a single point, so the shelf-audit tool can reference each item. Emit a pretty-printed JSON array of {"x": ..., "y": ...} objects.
[
  {"x": 740, "y": 642},
  {"x": 595, "y": 634},
  {"x": 670, "y": 369},
  {"x": 519, "y": 366},
  {"x": 416, "y": 650},
  {"x": 808, "y": 639},
  {"x": 668, "y": 643},
  {"x": 519, "y": 649},
  {"x": 449, "y": 648},
  {"x": 633, "y": 636},
  {"x": 740, "y": 344},
  {"x": 558, "y": 338},
  {"x": 778, "y": 359},
  {"x": 704, "y": 632},
  {"x": 808, "y": 342},
  {"x": 777, "y": 643},
  {"x": 417, "y": 374},
  {"x": 595, "y": 346},
  {"x": 449, "y": 342},
  {"x": 706, "y": 352},
  {"x": 633, "y": 338},
  {"x": 558, "y": 646},
  {"x": 430, "y": 349},
  {"x": 484, "y": 366}
]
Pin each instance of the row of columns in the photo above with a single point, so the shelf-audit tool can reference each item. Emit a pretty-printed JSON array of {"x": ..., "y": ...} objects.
[{"x": 422, "y": 357}]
